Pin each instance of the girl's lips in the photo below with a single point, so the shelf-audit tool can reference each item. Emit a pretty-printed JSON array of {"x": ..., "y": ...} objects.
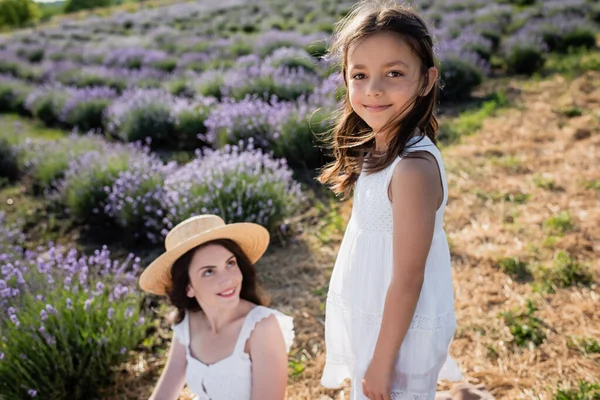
[
  {"x": 227, "y": 293},
  {"x": 373, "y": 108}
]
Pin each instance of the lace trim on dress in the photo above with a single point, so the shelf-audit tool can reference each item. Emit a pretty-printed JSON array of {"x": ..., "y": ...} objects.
[
  {"x": 338, "y": 301},
  {"x": 401, "y": 395},
  {"x": 419, "y": 322}
]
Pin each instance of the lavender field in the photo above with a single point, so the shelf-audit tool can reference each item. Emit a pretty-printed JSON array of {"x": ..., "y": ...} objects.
[{"x": 114, "y": 129}]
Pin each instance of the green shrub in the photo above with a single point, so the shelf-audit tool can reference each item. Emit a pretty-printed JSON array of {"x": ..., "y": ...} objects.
[
  {"x": 74, "y": 318},
  {"x": 78, "y": 5},
  {"x": 46, "y": 103},
  {"x": 9, "y": 162},
  {"x": 237, "y": 184},
  {"x": 13, "y": 94},
  {"x": 46, "y": 161},
  {"x": 525, "y": 328},
  {"x": 83, "y": 188},
  {"x": 18, "y": 13},
  {"x": 524, "y": 55},
  {"x": 459, "y": 77}
]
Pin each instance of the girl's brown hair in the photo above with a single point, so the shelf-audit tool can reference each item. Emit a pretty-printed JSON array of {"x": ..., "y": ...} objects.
[
  {"x": 180, "y": 280},
  {"x": 351, "y": 138}
]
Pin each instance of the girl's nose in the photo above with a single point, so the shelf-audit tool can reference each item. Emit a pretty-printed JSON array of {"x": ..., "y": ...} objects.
[{"x": 375, "y": 88}]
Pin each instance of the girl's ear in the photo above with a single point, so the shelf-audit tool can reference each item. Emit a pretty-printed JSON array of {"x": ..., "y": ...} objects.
[{"x": 432, "y": 76}]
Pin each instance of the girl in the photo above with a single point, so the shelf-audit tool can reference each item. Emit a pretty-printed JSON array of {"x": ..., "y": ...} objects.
[
  {"x": 226, "y": 344},
  {"x": 390, "y": 307}
]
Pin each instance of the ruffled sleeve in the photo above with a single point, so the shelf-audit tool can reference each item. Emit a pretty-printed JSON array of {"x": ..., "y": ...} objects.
[
  {"x": 286, "y": 323},
  {"x": 181, "y": 332}
]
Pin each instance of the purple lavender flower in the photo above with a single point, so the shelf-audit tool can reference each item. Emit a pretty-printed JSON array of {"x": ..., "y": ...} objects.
[
  {"x": 84, "y": 107},
  {"x": 134, "y": 198},
  {"x": 239, "y": 184},
  {"x": 250, "y": 118}
]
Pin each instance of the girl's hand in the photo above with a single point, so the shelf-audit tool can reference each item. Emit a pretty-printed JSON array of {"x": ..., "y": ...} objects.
[{"x": 377, "y": 382}]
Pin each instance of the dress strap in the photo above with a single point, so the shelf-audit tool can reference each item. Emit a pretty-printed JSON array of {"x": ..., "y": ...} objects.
[{"x": 423, "y": 143}]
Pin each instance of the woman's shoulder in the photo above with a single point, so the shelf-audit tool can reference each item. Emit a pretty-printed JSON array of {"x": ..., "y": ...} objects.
[{"x": 267, "y": 324}]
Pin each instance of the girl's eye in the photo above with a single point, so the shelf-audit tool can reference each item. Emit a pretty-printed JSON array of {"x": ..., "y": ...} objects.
[
  {"x": 358, "y": 76},
  {"x": 395, "y": 74},
  {"x": 208, "y": 272},
  {"x": 232, "y": 263}
]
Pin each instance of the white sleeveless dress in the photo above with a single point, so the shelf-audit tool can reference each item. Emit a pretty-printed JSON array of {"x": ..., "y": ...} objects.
[
  {"x": 358, "y": 287},
  {"x": 231, "y": 377}
]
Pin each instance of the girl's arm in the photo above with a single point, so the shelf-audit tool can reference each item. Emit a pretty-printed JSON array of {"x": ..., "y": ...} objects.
[
  {"x": 416, "y": 189},
  {"x": 172, "y": 378},
  {"x": 269, "y": 360}
]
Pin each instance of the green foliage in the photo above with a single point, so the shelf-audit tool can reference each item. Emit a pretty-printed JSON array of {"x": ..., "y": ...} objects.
[
  {"x": 515, "y": 268},
  {"x": 18, "y": 13},
  {"x": 9, "y": 163},
  {"x": 525, "y": 328},
  {"x": 298, "y": 140},
  {"x": 459, "y": 77},
  {"x": 525, "y": 58},
  {"x": 78, "y": 5},
  {"x": 585, "y": 391},
  {"x": 470, "y": 121}
]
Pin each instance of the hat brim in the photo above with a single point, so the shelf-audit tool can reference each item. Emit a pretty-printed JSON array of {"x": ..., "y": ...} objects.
[{"x": 252, "y": 238}]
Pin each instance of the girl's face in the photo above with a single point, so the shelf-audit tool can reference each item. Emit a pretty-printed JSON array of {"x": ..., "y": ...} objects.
[
  {"x": 383, "y": 76},
  {"x": 215, "y": 277}
]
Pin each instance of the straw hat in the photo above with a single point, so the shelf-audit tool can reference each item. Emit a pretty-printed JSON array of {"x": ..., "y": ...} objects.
[{"x": 252, "y": 238}]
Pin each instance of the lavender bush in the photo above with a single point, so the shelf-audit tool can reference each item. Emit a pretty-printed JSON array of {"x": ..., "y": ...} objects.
[
  {"x": 250, "y": 118},
  {"x": 88, "y": 179},
  {"x": 190, "y": 118},
  {"x": 13, "y": 94},
  {"x": 135, "y": 198},
  {"x": 141, "y": 113},
  {"x": 266, "y": 81},
  {"x": 10, "y": 239},
  {"x": 84, "y": 108},
  {"x": 525, "y": 53},
  {"x": 65, "y": 319},
  {"x": 237, "y": 183},
  {"x": 292, "y": 58},
  {"x": 561, "y": 34},
  {"x": 46, "y": 161},
  {"x": 156, "y": 114},
  {"x": 46, "y": 103},
  {"x": 9, "y": 162}
]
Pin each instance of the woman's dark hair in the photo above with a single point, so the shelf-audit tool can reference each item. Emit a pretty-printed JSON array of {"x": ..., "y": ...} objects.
[{"x": 180, "y": 280}]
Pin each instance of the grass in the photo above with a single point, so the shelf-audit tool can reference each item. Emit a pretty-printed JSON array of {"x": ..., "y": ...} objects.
[
  {"x": 469, "y": 122},
  {"x": 593, "y": 184},
  {"x": 15, "y": 127},
  {"x": 585, "y": 391},
  {"x": 524, "y": 326},
  {"x": 573, "y": 64},
  {"x": 332, "y": 224},
  {"x": 560, "y": 223},
  {"x": 515, "y": 268},
  {"x": 496, "y": 196},
  {"x": 547, "y": 183},
  {"x": 572, "y": 112},
  {"x": 585, "y": 345},
  {"x": 565, "y": 272}
]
